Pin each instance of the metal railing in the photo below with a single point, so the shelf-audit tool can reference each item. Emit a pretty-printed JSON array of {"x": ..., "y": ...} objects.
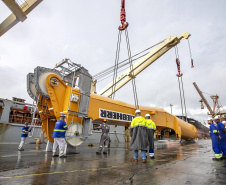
[
  {"x": 21, "y": 3},
  {"x": 22, "y": 119}
]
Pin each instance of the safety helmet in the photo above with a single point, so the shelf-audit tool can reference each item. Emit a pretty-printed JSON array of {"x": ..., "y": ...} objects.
[
  {"x": 26, "y": 123},
  {"x": 209, "y": 119},
  {"x": 104, "y": 120},
  {"x": 223, "y": 122},
  {"x": 137, "y": 111},
  {"x": 62, "y": 115},
  {"x": 147, "y": 115},
  {"x": 217, "y": 117}
]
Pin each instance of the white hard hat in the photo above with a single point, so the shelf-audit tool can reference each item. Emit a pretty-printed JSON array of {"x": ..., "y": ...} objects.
[
  {"x": 210, "y": 119},
  {"x": 147, "y": 115},
  {"x": 217, "y": 117},
  {"x": 137, "y": 111},
  {"x": 223, "y": 122}
]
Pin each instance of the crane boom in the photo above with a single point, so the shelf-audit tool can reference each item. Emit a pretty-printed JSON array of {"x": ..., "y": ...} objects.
[
  {"x": 19, "y": 10},
  {"x": 203, "y": 98},
  {"x": 143, "y": 63}
]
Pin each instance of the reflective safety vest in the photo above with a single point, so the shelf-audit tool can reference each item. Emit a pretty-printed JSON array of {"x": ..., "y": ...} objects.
[
  {"x": 213, "y": 131},
  {"x": 60, "y": 129},
  {"x": 150, "y": 124},
  {"x": 23, "y": 133},
  {"x": 138, "y": 121}
]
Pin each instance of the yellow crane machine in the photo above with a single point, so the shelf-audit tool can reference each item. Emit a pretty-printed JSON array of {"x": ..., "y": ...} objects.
[{"x": 69, "y": 88}]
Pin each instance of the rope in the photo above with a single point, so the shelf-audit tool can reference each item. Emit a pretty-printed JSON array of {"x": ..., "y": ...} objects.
[
  {"x": 111, "y": 75},
  {"x": 116, "y": 64},
  {"x": 132, "y": 72},
  {"x": 111, "y": 69},
  {"x": 176, "y": 52},
  {"x": 180, "y": 97},
  {"x": 181, "y": 88},
  {"x": 207, "y": 93},
  {"x": 189, "y": 48},
  {"x": 192, "y": 65},
  {"x": 184, "y": 99}
]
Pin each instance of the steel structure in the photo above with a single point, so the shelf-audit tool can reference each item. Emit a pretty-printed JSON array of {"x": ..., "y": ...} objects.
[
  {"x": 19, "y": 10},
  {"x": 142, "y": 64},
  {"x": 216, "y": 106},
  {"x": 70, "y": 93}
]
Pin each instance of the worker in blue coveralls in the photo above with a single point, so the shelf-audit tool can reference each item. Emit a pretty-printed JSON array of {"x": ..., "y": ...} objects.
[
  {"x": 24, "y": 134},
  {"x": 151, "y": 128},
  {"x": 224, "y": 152},
  {"x": 139, "y": 137},
  {"x": 213, "y": 131},
  {"x": 222, "y": 133},
  {"x": 59, "y": 137}
]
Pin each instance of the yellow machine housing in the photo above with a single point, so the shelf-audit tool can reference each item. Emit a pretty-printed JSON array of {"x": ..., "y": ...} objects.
[
  {"x": 59, "y": 102},
  {"x": 70, "y": 92}
]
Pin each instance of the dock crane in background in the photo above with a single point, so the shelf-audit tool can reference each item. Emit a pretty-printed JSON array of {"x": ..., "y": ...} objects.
[{"x": 216, "y": 105}]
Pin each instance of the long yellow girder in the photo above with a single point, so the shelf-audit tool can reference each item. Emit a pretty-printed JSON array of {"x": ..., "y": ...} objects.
[
  {"x": 19, "y": 13},
  {"x": 142, "y": 64}
]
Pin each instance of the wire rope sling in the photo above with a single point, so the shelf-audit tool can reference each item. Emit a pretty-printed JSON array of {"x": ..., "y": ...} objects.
[{"x": 122, "y": 28}]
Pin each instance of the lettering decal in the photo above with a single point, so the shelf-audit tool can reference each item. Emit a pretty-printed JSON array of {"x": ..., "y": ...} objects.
[
  {"x": 102, "y": 113},
  {"x": 108, "y": 114}
]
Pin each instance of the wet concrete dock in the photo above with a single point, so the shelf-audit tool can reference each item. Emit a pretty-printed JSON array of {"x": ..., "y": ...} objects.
[{"x": 175, "y": 163}]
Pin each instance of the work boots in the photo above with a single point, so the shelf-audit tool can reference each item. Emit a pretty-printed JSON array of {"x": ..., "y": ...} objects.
[{"x": 134, "y": 160}]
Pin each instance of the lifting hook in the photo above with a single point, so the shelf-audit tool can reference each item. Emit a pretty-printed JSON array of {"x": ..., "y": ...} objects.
[
  {"x": 123, "y": 17},
  {"x": 178, "y": 67}
]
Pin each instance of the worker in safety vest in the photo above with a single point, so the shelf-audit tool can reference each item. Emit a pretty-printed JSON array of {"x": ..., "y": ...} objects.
[
  {"x": 59, "y": 136},
  {"x": 139, "y": 136},
  {"x": 105, "y": 139},
  {"x": 213, "y": 131},
  {"x": 24, "y": 134},
  {"x": 151, "y": 127},
  {"x": 222, "y": 135}
]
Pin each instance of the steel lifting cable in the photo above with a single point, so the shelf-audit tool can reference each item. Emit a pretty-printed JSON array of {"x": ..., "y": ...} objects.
[
  {"x": 111, "y": 75},
  {"x": 180, "y": 97},
  {"x": 122, "y": 28},
  {"x": 192, "y": 65},
  {"x": 207, "y": 93},
  {"x": 131, "y": 70},
  {"x": 179, "y": 75},
  {"x": 116, "y": 64},
  {"x": 184, "y": 98},
  {"x": 111, "y": 69}
]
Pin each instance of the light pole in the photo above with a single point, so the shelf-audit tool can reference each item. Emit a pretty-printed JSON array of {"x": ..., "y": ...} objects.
[{"x": 171, "y": 108}]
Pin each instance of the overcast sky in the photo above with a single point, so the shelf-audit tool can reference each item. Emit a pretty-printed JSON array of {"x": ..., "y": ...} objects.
[{"x": 86, "y": 31}]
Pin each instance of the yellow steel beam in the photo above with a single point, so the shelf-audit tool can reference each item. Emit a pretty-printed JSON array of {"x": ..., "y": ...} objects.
[
  {"x": 16, "y": 10},
  {"x": 18, "y": 13},
  {"x": 144, "y": 63}
]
